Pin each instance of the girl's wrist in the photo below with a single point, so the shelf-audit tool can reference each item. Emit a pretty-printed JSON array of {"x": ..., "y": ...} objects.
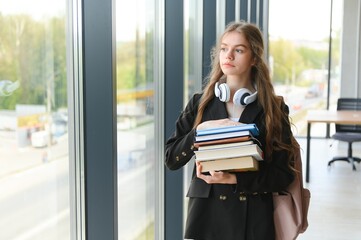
[{"x": 232, "y": 178}]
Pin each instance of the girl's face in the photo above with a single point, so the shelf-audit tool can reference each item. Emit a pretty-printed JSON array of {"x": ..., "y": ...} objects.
[{"x": 235, "y": 56}]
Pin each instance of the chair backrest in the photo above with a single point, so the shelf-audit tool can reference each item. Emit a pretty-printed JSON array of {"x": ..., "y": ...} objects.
[{"x": 349, "y": 104}]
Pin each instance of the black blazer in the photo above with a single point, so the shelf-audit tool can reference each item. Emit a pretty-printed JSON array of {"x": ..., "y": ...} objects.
[{"x": 208, "y": 201}]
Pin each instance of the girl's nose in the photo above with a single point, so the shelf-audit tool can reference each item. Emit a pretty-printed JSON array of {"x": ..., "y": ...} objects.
[{"x": 229, "y": 55}]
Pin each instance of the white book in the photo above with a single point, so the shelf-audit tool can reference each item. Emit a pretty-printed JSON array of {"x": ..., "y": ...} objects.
[
  {"x": 238, "y": 164},
  {"x": 230, "y": 152}
]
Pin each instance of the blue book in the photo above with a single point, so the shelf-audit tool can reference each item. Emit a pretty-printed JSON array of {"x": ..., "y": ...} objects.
[
  {"x": 223, "y": 135},
  {"x": 228, "y": 129}
]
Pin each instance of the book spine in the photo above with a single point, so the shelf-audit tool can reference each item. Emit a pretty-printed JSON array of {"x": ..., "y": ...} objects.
[
  {"x": 200, "y": 156},
  {"x": 223, "y": 136},
  {"x": 231, "y": 164},
  {"x": 248, "y": 127}
]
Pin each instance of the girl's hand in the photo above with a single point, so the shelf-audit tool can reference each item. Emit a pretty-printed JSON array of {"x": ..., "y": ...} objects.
[
  {"x": 216, "y": 176},
  {"x": 217, "y": 123}
]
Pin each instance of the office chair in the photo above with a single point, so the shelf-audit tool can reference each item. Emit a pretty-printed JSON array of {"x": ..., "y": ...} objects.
[{"x": 348, "y": 133}]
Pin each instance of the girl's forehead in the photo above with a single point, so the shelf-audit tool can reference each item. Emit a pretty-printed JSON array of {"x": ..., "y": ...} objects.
[{"x": 234, "y": 38}]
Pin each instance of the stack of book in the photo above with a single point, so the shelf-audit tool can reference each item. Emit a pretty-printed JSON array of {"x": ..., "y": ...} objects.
[{"x": 230, "y": 148}]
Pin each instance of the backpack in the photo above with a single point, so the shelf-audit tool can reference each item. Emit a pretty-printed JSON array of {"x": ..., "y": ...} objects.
[{"x": 291, "y": 206}]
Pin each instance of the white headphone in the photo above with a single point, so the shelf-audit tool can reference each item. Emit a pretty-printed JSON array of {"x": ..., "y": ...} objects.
[{"x": 242, "y": 97}]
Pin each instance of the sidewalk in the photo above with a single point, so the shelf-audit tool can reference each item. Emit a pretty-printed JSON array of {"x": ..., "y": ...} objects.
[{"x": 14, "y": 159}]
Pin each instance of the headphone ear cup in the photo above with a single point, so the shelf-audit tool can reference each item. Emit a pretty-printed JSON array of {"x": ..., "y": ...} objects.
[
  {"x": 225, "y": 92},
  {"x": 251, "y": 98},
  {"x": 217, "y": 92},
  {"x": 222, "y": 91},
  {"x": 240, "y": 97}
]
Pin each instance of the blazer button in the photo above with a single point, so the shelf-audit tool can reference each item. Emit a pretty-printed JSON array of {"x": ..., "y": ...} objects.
[
  {"x": 177, "y": 158},
  {"x": 242, "y": 198},
  {"x": 222, "y": 197},
  {"x": 184, "y": 154}
]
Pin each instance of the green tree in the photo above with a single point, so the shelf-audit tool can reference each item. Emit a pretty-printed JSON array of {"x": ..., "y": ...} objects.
[
  {"x": 290, "y": 61},
  {"x": 287, "y": 62},
  {"x": 23, "y": 49},
  {"x": 313, "y": 58},
  {"x": 129, "y": 75}
]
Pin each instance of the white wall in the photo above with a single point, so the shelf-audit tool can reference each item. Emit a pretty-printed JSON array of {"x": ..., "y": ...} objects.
[{"x": 351, "y": 50}]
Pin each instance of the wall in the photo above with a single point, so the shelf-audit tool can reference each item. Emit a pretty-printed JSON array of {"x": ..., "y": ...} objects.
[{"x": 351, "y": 53}]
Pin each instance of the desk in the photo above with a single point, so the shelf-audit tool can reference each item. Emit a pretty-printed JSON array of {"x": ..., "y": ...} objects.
[{"x": 324, "y": 116}]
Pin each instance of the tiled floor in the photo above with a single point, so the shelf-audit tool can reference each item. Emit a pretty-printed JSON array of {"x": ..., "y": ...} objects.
[{"x": 335, "y": 208}]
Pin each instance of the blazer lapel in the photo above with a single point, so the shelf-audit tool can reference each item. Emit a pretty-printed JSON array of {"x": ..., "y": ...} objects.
[
  {"x": 216, "y": 109},
  {"x": 250, "y": 112}
]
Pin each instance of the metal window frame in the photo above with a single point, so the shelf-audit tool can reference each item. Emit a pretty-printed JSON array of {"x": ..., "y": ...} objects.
[
  {"x": 159, "y": 123},
  {"x": 99, "y": 120},
  {"x": 173, "y": 105},
  {"x": 75, "y": 118}
]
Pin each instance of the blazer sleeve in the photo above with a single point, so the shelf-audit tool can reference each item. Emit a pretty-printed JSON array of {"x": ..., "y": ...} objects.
[
  {"x": 273, "y": 175},
  {"x": 179, "y": 147}
]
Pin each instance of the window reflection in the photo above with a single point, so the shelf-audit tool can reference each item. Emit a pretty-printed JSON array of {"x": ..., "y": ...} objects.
[
  {"x": 34, "y": 185},
  {"x": 135, "y": 118}
]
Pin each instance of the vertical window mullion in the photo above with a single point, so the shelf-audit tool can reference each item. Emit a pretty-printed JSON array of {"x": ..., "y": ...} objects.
[
  {"x": 99, "y": 120},
  {"x": 173, "y": 101}
]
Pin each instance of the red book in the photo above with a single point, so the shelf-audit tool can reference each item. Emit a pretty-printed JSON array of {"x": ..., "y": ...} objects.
[{"x": 221, "y": 141}]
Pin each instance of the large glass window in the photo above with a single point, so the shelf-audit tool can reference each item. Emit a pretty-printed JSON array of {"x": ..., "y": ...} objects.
[
  {"x": 138, "y": 156},
  {"x": 34, "y": 159},
  {"x": 304, "y": 43}
]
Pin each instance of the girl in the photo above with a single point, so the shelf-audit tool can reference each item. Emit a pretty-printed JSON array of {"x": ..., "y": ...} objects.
[{"x": 224, "y": 205}]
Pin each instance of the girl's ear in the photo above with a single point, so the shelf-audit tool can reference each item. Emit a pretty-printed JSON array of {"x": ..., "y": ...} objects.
[{"x": 254, "y": 61}]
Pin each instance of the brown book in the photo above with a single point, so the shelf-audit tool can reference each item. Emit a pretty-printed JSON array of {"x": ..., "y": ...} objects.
[
  {"x": 230, "y": 152},
  {"x": 237, "y": 164},
  {"x": 221, "y": 141}
]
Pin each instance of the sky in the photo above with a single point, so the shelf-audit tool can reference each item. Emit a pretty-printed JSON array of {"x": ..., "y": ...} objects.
[
  {"x": 289, "y": 19},
  {"x": 129, "y": 14},
  {"x": 36, "y": 8},
  {"x": 303, "y": 20}
]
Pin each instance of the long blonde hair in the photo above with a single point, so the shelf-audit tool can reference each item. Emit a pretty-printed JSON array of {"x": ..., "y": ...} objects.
[{"x": 260, "y": 75}]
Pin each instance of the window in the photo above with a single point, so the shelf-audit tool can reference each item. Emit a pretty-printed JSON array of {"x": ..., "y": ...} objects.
[
  {"x": 304, "y": 59},
  {"x": 138, "y": 71},
  {"x": 34, "y": 159}
]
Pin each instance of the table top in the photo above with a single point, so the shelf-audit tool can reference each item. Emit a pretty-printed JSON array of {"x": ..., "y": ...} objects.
[{"x": 329, "y": 116}]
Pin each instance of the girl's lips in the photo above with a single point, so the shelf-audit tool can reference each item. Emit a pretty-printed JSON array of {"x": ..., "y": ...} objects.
[{"x": 228, "y": 65}]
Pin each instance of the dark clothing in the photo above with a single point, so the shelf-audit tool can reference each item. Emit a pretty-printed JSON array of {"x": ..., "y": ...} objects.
[{"x": 243, "y": 211}]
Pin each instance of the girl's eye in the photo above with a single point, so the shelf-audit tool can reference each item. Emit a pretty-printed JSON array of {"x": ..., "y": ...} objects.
[
  {"x": 223, "y": 49},
  {"x": 239, "y": 50}
]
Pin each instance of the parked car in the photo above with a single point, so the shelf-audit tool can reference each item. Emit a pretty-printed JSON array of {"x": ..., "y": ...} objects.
[{"x": 316, "y": 90}]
